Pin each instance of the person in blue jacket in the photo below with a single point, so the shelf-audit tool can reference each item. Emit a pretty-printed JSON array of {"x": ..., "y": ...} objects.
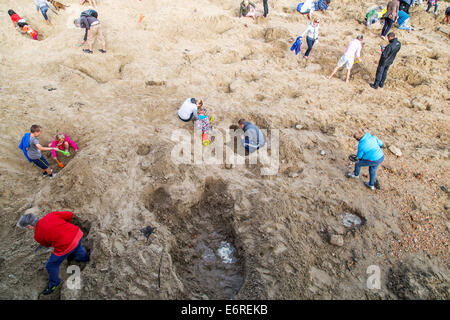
[
  {"x": 369, "y": 155},
  {"x": 253, "y": 138}
]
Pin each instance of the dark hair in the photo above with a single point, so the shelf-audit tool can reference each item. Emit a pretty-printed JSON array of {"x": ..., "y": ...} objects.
[
  {"x": 391, "y": 35},
  {"x": 241, "y": 121},
  {"x": 35, "y": 128},
  {"x": 11, "y": 12},
  {"x": 360, "y": 37}
]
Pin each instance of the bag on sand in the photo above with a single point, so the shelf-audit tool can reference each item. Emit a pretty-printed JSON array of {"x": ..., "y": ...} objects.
[{"x": 89, "y": 13}]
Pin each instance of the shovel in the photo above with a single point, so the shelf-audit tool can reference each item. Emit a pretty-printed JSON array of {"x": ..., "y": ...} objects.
[
  {"x": 59, "y": 163},
  {"x": 63, "y": 152}
]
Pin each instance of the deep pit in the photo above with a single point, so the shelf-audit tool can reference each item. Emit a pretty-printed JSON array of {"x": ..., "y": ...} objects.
[{"x": 207, "y": 256}]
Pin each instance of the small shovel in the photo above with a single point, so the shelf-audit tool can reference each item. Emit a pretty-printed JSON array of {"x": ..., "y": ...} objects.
[
  {"x": 59, "y": 163},
  {"x": 63, "y": 152}
]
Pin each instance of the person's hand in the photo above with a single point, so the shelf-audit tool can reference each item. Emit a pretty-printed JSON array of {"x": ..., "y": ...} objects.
[
  {"x": 242, "y": 137},
  {"x": 76, "y": 150}
]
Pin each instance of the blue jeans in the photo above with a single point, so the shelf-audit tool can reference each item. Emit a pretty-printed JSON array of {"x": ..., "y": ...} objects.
[
  {"x": 310, "y": 43},
  {"x": 373, "y": 165},
  {"x": 44, "y": 10},
  {"x": 387, "y": 26},
  {"x": 54, "y": 262}
]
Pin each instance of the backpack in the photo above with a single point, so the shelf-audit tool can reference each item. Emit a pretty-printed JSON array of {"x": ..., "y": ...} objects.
[{"x": 89, "y": 13}]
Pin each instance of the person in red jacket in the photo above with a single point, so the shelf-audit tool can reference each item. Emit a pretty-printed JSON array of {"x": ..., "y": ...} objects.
[{"x": 55, "y": 230}]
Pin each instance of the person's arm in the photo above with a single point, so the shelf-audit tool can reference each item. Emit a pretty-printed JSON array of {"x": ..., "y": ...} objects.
[
  {"x": 251, "y": 4},
  {"x": 53, "y": 151},
  {"x": 360, "y": 153},
  {"x": 241, "y": 11},
  {"x": 380, "y": 143},
  {"x": 71, "y": 143},
  {"x": 44, "y": 148},
  {"x": 304, "y": 32},
  {"x": 386, "y": 53}
]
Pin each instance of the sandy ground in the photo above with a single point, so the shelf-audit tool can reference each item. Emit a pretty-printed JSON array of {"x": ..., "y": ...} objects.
[{"x": 120, "y": 108}]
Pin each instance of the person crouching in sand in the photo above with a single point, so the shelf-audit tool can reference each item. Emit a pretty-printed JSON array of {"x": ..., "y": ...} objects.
[
  {"x": 248, "y": 9},
  {"x": 55, "y": 230},
  {"x": 62, "y": 142},
  {"x": 189, "y": 109}
]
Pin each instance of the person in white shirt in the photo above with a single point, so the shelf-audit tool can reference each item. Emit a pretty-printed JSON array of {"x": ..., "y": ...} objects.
[
  {"x": 353, "y": 51},
  {"x": 188, "y": 109},
  {"x": 312, "y": 36}
]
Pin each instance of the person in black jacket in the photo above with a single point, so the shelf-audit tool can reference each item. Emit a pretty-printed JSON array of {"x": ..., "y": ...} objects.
[{"x": 387, "y": 58}]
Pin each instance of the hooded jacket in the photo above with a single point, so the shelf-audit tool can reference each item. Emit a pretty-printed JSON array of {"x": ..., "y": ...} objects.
[
  {"x": 55, "y": 230},
  {"x": 86, "y": 22},
  {"x": 389, "y": 53},
  {"x": 369, "y": 148},
  {"x": 254, "y": 138},
  {"x": 25, "y": 144}
]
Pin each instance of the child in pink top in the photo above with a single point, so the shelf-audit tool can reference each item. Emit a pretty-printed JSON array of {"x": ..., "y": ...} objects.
[{"x": 62, "y": 141}]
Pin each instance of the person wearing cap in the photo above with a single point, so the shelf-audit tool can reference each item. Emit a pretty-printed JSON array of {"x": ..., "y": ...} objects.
[
  {"x": 312, "y": 36},
  {"x": 253, "y": 138},
  {"x": 188, "y": 109},
  {"x": 348, "y": 58},
  {"x": 369, "y": 155},
  {"x": 55, "y": 230}
]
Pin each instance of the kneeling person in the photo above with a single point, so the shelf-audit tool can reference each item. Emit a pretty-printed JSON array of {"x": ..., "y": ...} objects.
[{"x": 253, "y": 138}]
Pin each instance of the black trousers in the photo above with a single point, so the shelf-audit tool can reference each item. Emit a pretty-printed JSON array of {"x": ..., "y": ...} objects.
[
  {"x": 381, "y": 75},
  {"x": 266, "y": 8}
]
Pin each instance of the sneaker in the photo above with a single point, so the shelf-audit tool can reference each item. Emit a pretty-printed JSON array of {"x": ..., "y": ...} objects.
[
  {"x": 52, "y": 175},
  {"x": 373, "y": 86},
  {"x": 369, "y": 186},
  {"x": 102, "y": 51},
  {"x": 50, "y": 290},
  {"x": 44, "y": 174},
  {"x": 87, "y": 51},
  {"x": 352, "y": 175}
]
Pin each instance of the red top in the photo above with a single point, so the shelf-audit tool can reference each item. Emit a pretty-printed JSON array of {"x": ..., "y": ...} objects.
[
  {"x": 55, "y": 230},
  {"x": 15, "y": 17}
]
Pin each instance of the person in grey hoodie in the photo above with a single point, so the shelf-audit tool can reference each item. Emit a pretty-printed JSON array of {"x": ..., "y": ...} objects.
[
  {"x": 93, "y": 31},
  {"x": 312, "y": 36},
  {"x": 253, "y": 138}
]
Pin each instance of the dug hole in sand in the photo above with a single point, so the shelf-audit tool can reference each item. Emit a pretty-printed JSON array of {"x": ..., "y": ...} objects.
[{"x": 120, "y": 109}]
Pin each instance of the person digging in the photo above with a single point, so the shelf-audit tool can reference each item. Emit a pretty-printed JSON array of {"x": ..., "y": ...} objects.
[
  {"x": 369, "y": 155},
  {"x": 55, "y": 230}
]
